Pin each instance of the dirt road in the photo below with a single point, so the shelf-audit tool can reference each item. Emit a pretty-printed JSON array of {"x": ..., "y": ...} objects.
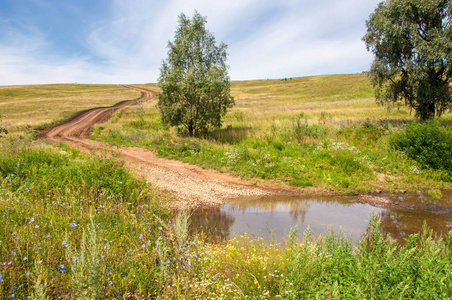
[{"x": 191, "y": 185}]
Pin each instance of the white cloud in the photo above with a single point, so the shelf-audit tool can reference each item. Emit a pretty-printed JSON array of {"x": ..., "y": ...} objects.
[{"x": 267, "y": 39}]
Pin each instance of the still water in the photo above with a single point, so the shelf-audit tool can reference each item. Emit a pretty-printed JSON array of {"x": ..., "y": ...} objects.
[{"x": 274, "y": 217}]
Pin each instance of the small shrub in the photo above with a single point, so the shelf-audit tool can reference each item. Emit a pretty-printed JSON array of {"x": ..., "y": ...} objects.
[
  {"x": 429, "y": 143},
  {"x": 301, "y": 130}
]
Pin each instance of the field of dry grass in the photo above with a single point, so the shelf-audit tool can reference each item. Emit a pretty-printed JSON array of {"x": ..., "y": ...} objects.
[
  {"x": 336, "y": 98},
  {"x": 32, "y": 105},
  {"x": 340, "y": 98}
]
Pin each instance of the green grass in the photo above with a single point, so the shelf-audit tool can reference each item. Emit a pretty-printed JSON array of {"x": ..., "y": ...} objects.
[
  {"x": 108, "y": 239},
  {"x": 323, "y": 131}
]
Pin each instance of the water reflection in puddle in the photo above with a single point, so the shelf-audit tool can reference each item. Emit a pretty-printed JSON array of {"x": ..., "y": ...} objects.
[{"x": 273, "y": 217}]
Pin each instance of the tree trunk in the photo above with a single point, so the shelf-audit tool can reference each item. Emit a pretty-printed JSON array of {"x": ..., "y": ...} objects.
[
  {"x": 427, "y": 112},
  {"x": 190, "y": 128}
]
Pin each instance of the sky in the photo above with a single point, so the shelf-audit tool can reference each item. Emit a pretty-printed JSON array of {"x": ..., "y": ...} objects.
[{"x": 119, "y": 41}]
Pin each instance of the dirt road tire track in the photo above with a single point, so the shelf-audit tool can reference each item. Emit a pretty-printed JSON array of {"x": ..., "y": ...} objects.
[{"x": 191, "y": 185}]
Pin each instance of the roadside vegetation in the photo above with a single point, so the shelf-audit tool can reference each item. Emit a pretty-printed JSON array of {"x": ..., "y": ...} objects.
[
  {"x": 324, "y": 131},
  {"x": 79, "y": 227}
]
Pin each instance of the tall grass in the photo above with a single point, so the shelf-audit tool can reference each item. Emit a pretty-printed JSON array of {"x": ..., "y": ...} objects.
[{"x": 105, "y": 241}]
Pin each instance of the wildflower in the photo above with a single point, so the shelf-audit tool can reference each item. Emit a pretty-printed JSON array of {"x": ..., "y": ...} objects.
[
  {"x": 110, "y": 282},
  {"x": 31, "y": 220},
  {"x": 62, "y": 269},
  {"x": 143, "y": 245},
  {"x": 36, "y": 226},
  {"x": 140, "y": 237},
  {"x": 11, "y": 296},
  {"x": 108, "y": 270},
  {"x": 40, "y": 262},
  {"x": 64, "y": 243},
  {"x": 73, "y": 224},
  {"x": 13, "y": 253},
  {"x": 116, "y": 292},
  {"x": 14, "y": 288},
  {"x": 25, "y": 258},
  {"x": 28, "y": 273},
  {"x": 160, "y": 228},
  {"x": 47, "y": 235}
]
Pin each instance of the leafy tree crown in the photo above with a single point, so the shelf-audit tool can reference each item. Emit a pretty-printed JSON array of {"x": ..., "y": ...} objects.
[
  {"x": 412, "y": 43},
  {"x": 194, "y": 78}
]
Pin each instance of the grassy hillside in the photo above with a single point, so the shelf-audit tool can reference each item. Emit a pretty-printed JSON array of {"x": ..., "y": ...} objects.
[{"x": 32, "y": 105}]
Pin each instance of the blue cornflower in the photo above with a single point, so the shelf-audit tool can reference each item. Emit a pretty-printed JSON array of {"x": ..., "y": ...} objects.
[
  {"x": 12, "y": 296},
  {"x": 110, "y": 282},
  {"x": 116, "y": 292},
  {"x": 25, "y": 258},
  {"x": 64, "y": 243},
  {"x": 47, "y": 235},
  {"x": 108, "y": 270},
  {"x": 62, "y": 269},
  {"x": 143, "y": 245},
  {"x": 160, "y": 228},
  {"x": 159, "y": 238},
  {"x": 13, "y": 253},
  {"x": 140, "y": 237},
  {"x": 40, "y": 262},
  {"x": 14, "y": 288},
  {"x": 36, "y": 226},
  {"x": 73, "y": 224}
]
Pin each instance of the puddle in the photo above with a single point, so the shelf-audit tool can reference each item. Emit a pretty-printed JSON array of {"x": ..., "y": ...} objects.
[{"x": 274, "y": 217}]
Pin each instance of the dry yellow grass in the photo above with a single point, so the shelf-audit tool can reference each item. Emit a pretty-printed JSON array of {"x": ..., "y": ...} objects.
[
  {"x": 32, "y": 105},
  {"x": 258, "y": 102},
  {"x": 347, "y": 97}
]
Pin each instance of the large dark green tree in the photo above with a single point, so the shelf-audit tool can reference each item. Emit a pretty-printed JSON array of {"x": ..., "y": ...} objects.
[
  {"x": 194, "y": 78},
  {"x": 412, "y": 43}
]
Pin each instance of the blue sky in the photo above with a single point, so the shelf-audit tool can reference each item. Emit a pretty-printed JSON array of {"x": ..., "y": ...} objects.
[{"x": 118, "y": 41}]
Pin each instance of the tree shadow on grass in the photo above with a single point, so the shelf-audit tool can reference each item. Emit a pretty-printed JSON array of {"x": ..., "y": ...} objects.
[{"x": 230, "y": 135}]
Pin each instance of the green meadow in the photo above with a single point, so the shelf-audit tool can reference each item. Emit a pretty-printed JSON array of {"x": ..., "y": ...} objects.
[{"x": 80, "y": 226}]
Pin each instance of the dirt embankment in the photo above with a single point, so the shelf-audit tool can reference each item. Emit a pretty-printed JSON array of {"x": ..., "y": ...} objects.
[{"x": 191, "y": 185}]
